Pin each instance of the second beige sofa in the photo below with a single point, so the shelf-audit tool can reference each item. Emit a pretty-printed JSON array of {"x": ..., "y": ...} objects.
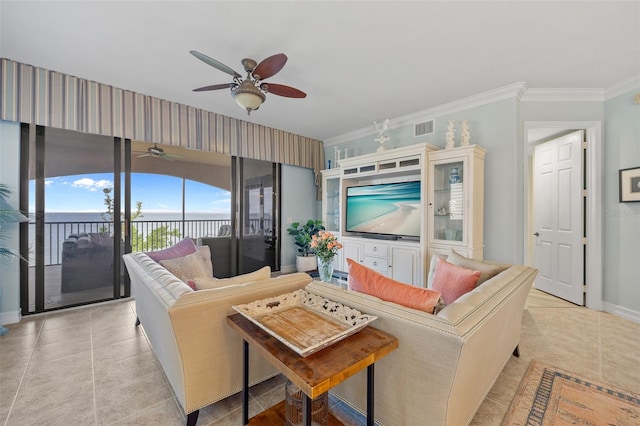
[{"x": 446, "y": 363}]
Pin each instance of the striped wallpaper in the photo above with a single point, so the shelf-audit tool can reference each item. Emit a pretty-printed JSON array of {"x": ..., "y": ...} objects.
[{"x": 49, "y": 98}]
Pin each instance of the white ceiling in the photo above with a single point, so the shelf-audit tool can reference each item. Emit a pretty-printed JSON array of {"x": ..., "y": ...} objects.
[{"x": 358, "y": 61}]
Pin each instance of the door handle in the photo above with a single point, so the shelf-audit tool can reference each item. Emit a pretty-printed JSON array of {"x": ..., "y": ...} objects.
[{"x": 537, "y": 234}]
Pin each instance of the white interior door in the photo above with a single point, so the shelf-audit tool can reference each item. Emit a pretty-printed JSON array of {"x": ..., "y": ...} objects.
[{"x": 558, "y": 217}]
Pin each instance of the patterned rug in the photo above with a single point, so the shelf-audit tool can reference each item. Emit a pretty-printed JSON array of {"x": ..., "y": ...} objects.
[{"x": 550, "y": 396}]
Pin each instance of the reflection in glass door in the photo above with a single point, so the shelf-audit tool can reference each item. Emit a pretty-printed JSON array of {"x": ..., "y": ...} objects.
[
  {"x": 75, "y": 230},
  {"x": 258, "y": 215}
]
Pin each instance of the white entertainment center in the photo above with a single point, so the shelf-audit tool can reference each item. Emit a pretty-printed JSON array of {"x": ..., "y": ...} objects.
[{"x": 443, "y": 224}]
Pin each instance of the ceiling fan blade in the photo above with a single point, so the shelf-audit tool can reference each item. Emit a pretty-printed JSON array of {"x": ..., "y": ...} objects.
[
  {"x": 214, "y": 63},
  {"x": 270, "y": 66},
  {"x": 215, "y": 87},
  {"x": 282, "y": 90}
]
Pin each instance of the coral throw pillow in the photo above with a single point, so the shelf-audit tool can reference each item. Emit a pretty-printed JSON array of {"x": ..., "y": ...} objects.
[
  {"x": 453, "y": 281},
  {"x": 181, "y": 249},
  {"x": 365, "y": 280}
]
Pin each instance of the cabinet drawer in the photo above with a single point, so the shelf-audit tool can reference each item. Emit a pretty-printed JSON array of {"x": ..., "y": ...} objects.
[
  {"x": 380, "y": 264},
  {"x": 375, "y": 248}
]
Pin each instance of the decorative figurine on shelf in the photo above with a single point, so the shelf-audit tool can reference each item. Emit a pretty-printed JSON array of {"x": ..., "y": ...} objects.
[
  {"x": 454, "y": 177},
  {"x": 336, "y": 155},
  {"x": 346, "y": 153},
  {"x": 465, "y": 135},
  {"x": 382, "y": 136},
  {"x": 451, "y": 134}
]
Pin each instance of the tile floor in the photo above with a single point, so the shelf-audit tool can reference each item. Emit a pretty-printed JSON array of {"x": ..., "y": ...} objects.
[{"x": 91, "y": 366}]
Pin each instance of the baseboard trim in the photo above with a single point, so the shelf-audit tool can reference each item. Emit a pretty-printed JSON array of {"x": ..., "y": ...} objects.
[
  {"x": 622, "y": 312},
  {"x": 12, "y": 317},
  {"x": 288, "y": 269}
]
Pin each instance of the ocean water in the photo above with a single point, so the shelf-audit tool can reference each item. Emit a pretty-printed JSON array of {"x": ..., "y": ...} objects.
[
  {"x": 367, "y": 203},
  {"x": 58, "y": 226}
]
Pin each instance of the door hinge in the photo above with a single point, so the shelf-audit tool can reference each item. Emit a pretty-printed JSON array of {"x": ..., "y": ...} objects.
[
  {"x": 584, "y": 144},
  {"x": 584, "y": 288},
  {"x": 584, "y": 240},
  {"x": 584, "y": 192}
]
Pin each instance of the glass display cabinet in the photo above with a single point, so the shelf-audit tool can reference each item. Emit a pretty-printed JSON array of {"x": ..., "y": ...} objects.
[
  {"x": 331, "y": 200},
  {"x": 455, "y": 210}
]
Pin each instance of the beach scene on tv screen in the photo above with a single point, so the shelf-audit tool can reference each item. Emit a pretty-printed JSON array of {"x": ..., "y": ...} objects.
[{"x": 384, "y": 209}]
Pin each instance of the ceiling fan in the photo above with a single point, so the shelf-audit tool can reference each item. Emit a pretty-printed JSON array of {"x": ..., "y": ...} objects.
[
  {"x": 156, "y": 151},
  {"x": 251, "y": 92}
]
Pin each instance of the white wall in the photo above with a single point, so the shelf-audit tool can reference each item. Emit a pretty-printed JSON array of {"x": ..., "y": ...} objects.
[
  {"x": 298, "y": 202},
  {"x": 499, "y": 127},
  {"x": 9, "y": 268},
  {"x": 621, "y": 220}
]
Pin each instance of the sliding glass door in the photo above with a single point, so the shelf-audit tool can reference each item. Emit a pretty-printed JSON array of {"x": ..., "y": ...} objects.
[
  {"x": 257, "y": 213},
  {"x": 93, "y": 198},
  {"x": 75, "y": 230}
]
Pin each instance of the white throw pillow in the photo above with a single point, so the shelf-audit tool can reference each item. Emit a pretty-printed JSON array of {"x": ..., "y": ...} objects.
[
  {"x": 487, "y": 270},
  {"x": 186, "y": 267},
  {"x": 203, "y": 283}
]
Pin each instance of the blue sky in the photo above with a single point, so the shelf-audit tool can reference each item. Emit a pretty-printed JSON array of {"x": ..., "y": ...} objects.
[{"x": 158, "y": 193}]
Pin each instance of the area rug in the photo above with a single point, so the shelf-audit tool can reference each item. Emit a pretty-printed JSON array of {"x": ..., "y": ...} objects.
[{"x": 550, "y": 396}]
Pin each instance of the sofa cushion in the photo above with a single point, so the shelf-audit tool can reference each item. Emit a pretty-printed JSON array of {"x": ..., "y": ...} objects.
[
  {"x": 487, "y": 270},
  {"x": 183, "y": 248},
  {"x": 365, "y": 280},
  {"x": 205, "y": 252},
  {"x": 84, "y": 242},
  {"x": 453, "y": 281},
  {"x": 187, "y": 267},
  {"x": 203, "y": 283}
]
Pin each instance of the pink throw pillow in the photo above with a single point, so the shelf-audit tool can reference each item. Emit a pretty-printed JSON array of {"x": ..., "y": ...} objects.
[
  {"x": 368, "y": 281},
  {"x": 453, "y": 281},
  {"x": 181, "y": 249}
]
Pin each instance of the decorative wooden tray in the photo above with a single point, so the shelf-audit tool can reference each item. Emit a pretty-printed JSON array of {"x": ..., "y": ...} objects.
[{"x": 303, "y": 321}]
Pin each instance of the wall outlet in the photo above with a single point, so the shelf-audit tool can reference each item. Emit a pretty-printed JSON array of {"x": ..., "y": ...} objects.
[{"x": 289, "y": 220}]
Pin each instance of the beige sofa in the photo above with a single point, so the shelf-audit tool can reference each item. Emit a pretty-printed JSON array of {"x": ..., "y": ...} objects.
[
  {"x": 199, "y": 353},
  {"x": 446, "y": 363}
]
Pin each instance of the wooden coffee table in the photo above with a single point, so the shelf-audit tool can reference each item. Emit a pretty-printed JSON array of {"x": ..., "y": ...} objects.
[{"x": 314, "y": 374}]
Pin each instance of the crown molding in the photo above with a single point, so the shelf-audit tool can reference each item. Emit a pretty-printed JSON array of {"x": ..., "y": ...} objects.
[
  {"x": 563, "y": 95},
  {"x": 514, "y": 90},
  {"x": 519, "y": 91},
  {"x": 623, "y": 87}
]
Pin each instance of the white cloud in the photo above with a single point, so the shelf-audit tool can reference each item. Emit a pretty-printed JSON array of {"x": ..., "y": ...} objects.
[
  {"x": 91, "y": 184},
  {"x": 48, "y": 182}
]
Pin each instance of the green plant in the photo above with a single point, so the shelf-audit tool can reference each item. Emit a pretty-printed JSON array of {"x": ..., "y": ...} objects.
[
  {"x": 108, "y": 201},
  {"x": 303, "y": 235}
]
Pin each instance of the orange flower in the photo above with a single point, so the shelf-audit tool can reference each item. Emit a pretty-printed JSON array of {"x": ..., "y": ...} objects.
[{"x": 325, "y": 245}]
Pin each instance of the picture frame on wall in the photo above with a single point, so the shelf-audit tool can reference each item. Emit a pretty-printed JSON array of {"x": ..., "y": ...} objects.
[{"x": 630, "y": 185}]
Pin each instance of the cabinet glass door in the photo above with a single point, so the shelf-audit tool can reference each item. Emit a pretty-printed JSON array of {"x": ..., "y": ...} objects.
[
  {"x": 448, "y": 201},
  {"x": 331, "y": 221}
]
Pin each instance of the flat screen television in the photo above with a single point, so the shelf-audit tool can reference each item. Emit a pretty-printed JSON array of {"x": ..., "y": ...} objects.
[{"x": 384, "y": 209}]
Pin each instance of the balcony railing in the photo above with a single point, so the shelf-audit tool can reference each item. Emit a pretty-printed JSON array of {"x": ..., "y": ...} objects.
[{"x": 55, "y": 233}]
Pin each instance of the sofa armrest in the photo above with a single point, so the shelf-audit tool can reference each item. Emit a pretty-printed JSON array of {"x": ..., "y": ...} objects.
[{"x": 206, "y": 342}]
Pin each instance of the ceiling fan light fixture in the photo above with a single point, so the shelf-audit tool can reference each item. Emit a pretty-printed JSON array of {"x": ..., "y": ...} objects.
[
  {"x": 251, "y": 93},
  {"x": 248, "y": 96}
]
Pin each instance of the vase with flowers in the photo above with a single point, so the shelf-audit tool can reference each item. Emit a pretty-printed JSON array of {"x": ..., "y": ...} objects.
[{"x": 325, "y": 245}]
